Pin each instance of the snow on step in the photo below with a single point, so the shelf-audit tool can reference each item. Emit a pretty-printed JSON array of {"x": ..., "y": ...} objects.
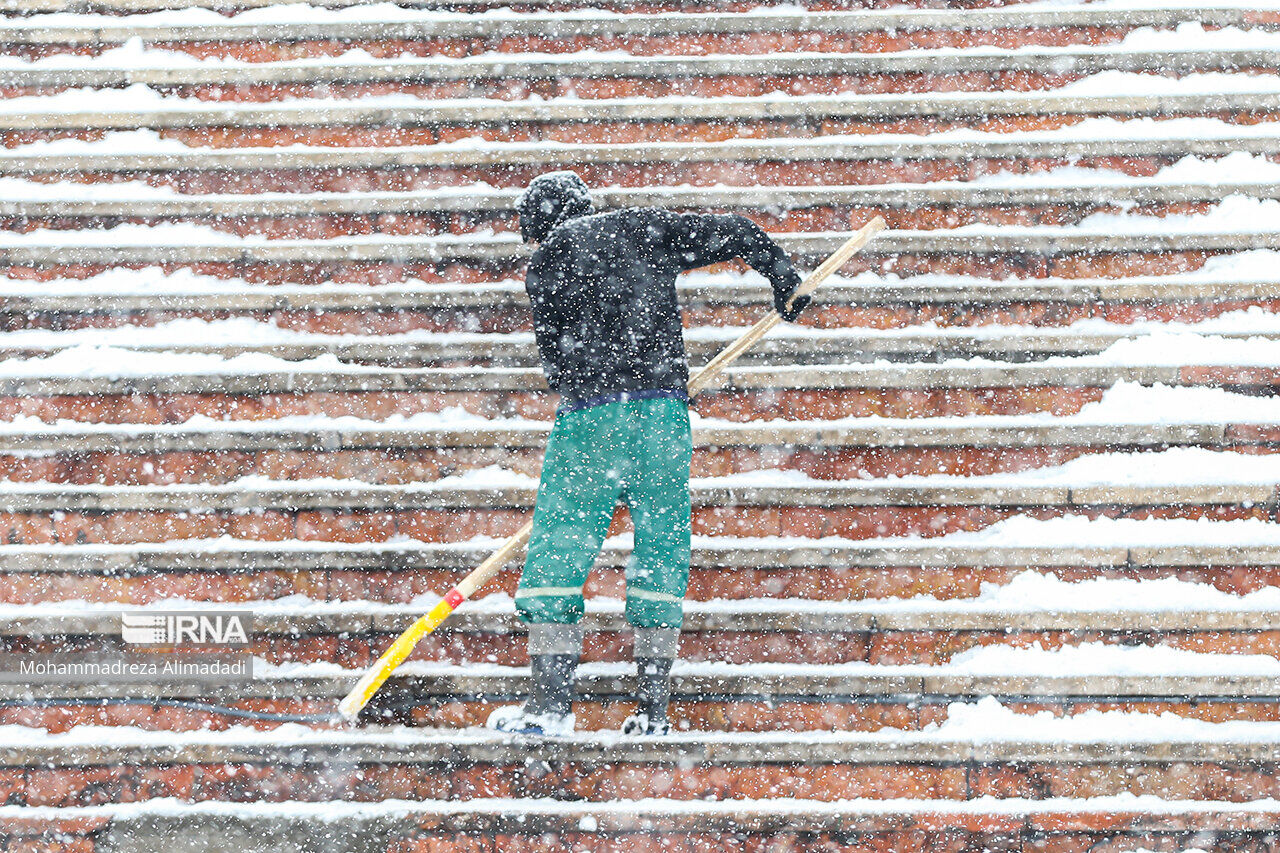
[
  {"x": 188, "y": 335},
  {"x": 1086, "y": 660},
  {"x": 1020, "y": 540},
  {"x": 1079, "y": 821},
  {"x": 537, "y": 815},
  {"x": 1233, "y": 225},
  {"x": 1085, "y": 670},
  {"x": 1190, "y": 179},
  {"x": 1170, "y": 477},
  {"x": 952, "y": 566},
  {"x": 1248, "y": 364},
  {"x": 1029, "y": 601},
  {"x": 1092, "y": 136},
  {"x": 1188, "y": 48},
  {"x": 971, "y": 731},
  {"x": 160, "y": 26},
  {"x": 1232, "y": 214},
  {"x": 1247, "y": 274},
  {"x": 1156, "y": 348},
  {"x": 1118, "y": 93},
  {"x": 1123, "y": 405}
]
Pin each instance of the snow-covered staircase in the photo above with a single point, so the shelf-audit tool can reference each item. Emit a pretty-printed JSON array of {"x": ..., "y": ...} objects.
[{"x": 986, "y": 549}]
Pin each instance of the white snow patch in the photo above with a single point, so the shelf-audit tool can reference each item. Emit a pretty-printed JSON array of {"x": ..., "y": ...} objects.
[
  {"x": 337, "y": 810},
  {"x": 1027, "y": 593},
  {"x": 1176, "y": 466},
  {"x": 1088, "y": 659},
  {"x": 1074, "y": 531},
  {"x": 146, "y": 141}
]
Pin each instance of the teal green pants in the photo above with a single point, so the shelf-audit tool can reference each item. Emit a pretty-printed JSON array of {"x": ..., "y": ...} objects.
[{"x": 637, "y": 451}]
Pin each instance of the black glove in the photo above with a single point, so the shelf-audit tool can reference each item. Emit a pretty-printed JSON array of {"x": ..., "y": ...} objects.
[{"x": 782, "y": 291}]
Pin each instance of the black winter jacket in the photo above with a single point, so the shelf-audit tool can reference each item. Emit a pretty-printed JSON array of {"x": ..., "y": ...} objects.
[{"x": 604, "y": 295}]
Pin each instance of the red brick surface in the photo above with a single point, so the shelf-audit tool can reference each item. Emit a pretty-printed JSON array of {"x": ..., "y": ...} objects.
[
  {"x": 628, "y": 780},
  {"x": 733, "y": 43},
  {"x": 821, "y": 582},
  {"x": 1058, "y": 832},
  {"x": 404, "y": 466},
  {"x": 460, "y": 525},
  {"x": 835, "y": 170},
  {"x": 841, "y": 217},
  {"x": 639, "y": 86}
]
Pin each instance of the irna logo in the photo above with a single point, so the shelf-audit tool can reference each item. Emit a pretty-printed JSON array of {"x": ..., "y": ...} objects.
[{"x": 200, "y": 628}]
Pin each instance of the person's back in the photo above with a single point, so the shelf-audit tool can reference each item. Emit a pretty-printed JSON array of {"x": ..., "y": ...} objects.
[
  {"x": 608, "y": 328},
  {"x": 604, "y": 298},
  {"x": 604, "y": 305}
]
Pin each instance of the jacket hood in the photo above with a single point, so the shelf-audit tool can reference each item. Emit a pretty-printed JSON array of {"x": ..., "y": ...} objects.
[{"x": 550, "y": 200}]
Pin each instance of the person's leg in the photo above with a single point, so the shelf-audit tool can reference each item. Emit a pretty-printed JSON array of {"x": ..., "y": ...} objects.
[
  {"x": 576, "y": 496},
  {"x": 656, "y": 490},
  {"x": 579, "y": 488}
]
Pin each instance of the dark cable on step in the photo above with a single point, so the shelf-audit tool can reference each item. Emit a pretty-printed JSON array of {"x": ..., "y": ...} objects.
[{"x": 206, "y": 707}]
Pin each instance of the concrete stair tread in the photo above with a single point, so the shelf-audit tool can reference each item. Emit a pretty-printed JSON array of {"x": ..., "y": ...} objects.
[
  {"x": 179, "y": 113},
  {"x": 322, "y": 376},
  {"x": 354, "y": 822},
  {"x": 534, "y": 814},
  {"x": 510, "y": 490},
  {"x": 1050, "y": 145},
  {"x": 28, "y": 8},
  {"x": 706, "y": 749},
  {"x": 113, "y": 29},
  {"x": 892, "y": 195},
  {"x": 792, "y": 344},
  {"x": 196, "y": 292},
  {"x": 784, "y": 616},
  {"x": 1013, "y": 431},
  {"x": 52, "y": 248},
  {"x": 706, "y": 682},
  {"x": 223, "y": 554},
  {"x": 1078, "y": 59}
]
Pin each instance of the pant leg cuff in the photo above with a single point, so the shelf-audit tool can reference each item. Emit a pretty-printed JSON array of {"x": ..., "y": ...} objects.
[
  {"x": 555, "y": 638},
  {"x": 657, "y": 642}
]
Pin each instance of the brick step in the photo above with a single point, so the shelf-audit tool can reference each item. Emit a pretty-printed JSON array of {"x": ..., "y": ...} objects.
[
  {"x": 149, "y": 296},
  {"x": 415, "y": 465},
  {"x": 591, "y": 76},
  {"x": 785, "y": 161},
  {"x": 790, "y": 346},
  {"x": 135, "y": 454},
  {"x": 1069, "y": 825},
  {"x": 375, "y": 121},
  {"x": 494, "y": 489},
  {"x": 772, "y": 713},
  {"x": 453, "y": 511},
  {"x": 236, "y": 571},
  {"x": 145, "y": 394},
  {"x": 781, "y": 209},
  {"x": 745, "y": 632},
  {"x": 463, "y": 34},
  {"x": 26, "y": 8},
  {"x": 995, "y": 251},
  {"x": 371, "y": 767},
  {"x": 756, "y": 697}
]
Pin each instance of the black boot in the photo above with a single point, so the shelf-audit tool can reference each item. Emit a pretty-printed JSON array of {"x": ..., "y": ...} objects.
[
  {"x": 653, "y": 690},
  {"x": 553, "y": 684},
  {"x": 550, "y": 711}
]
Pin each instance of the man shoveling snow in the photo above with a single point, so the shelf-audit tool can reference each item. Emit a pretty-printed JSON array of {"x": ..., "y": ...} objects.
[{"x": 609, "y": 334}]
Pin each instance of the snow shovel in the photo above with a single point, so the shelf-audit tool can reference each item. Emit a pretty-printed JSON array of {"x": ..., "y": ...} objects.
[{"x": 403, "y": 646}]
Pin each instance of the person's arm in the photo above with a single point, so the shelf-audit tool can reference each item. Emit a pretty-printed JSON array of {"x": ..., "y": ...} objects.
[{"x": 699, "y": 240}]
